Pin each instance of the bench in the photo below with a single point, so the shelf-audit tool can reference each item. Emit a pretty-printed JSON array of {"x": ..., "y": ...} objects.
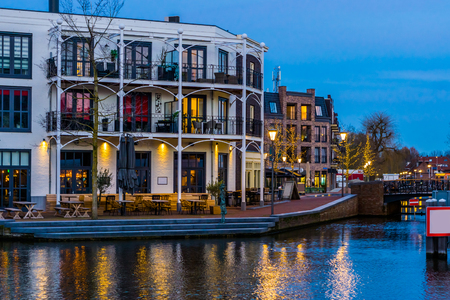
[
  {"x": 1, "y": 214},
  {"x": 38, "y": 210},
  {"x": 60, "y": 210},
  {"x": 86, "y": 210},
  {"x": 14, "y": 210}
]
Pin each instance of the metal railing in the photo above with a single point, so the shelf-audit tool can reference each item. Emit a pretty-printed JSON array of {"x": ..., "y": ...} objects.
[
  {"x": 154, "y": 123},
  {"x": 414, "y": 186}
]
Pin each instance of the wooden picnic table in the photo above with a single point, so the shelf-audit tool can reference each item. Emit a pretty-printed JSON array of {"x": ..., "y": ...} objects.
[
  {"x": 194, "y": 212},
  {"x": 123, "y": 211},
  {"x": 158, "y": 206},
  {"x": 75, "y": 205},
  {"x": 29, "y": 206}
]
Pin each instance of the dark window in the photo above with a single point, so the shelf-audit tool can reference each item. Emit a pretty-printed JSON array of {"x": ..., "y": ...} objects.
[
  {"x": 76, "y": 168},
  {"x": 290, "y": 112},
  {"x": 137, "y": 60},
  {"x": 223, "y": 61},
  {"x": 15, "y": 55},
  {"x": 222, "y": 117},
  {"x": 324, "y": 133},
  {"x": 143, "y": 172},
  {"x": 317, "y": 155},
  {"x": 192, "y": 173},
  {"x": 273, "y": 107},
  {"x": 223, "y": 168},
  {"x": 136, "y": 112},
  {"x": 75, "y": 57},
  {"x": 317, "y": 133},
  {"x": 15, "y": 109},
  {"x": 306, "y": 133},
  {"x": 324, "y": 155},
  {"x": 194, "y": 63},
  {"x": 76, "y": 113},
  {"x": 15, "y": 171},
  {"x": 306, "y": 154}
]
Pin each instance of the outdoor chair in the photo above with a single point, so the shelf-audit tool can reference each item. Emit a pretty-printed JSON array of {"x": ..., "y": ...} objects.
[
  {"x": 115, "y": 207},
  {"x": 220, "y": 77},
  {"x": 197, "y": 126},
  {"x": 167, "y": 206},
  {"x": 137, "y": 205},
  {"x": 203, "y": 205},
  {"x": 149, "y": 205},
  {"x": 210, "y": 126},
  {"x": 185, "y": 205},
  {"x": 219, "y": 128},
  {"x": 232, "y": 79}
]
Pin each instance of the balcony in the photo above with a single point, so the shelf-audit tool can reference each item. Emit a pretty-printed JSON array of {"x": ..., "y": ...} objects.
[
  {"x": 155, "y": 123},
  {"x": 162, "y": 72}
]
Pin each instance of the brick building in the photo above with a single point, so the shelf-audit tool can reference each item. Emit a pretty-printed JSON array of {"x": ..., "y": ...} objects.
[
  {"x": 315, "y": 122},
  {"x": 429, "y": 167}
]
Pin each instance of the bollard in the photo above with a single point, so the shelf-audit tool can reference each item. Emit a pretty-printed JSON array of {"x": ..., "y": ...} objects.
[{"x": 442, "y": 202}]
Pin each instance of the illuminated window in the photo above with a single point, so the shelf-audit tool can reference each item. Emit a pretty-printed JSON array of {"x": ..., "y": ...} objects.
[
  {"x": 15, "y": 55},
  {"x": 319, "y": 111}
]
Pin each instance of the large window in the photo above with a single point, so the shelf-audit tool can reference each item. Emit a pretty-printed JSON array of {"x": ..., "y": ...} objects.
[
  {"x": 324, "y": 155},
  {"x": 192, "y": 173},
  {"x": 273, "y": 107},
  {"x": 290, "y": 112},
  {"x": 194, "y": 63},
  {"x": 136, "y": 112},
  {"x": 223, "y": 168},
  {"x": 76, "y": 113},
  {"x": 14, "y": 176},
  {"x": 324, "y": 133},
  {"x": 317, "y": 155},
  {"x": 306, "y": 112},
  {"x": 15, "y": 109},
  {"x": 137, "y": 60},
  {"x": 317, "y": 134},
  {"x": 319, "y": 111},
  {"x": 143, "y": 172},
  {"x": 15, "y": 55},
  {"x": 75, "y": 57},
  {"x": 76, "y": 168},
  {"x": 223, "y": 61},
  {"x": 306, "y": 133}
]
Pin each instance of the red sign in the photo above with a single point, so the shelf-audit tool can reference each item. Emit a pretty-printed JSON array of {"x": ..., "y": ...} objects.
[
  {"x": 438, "y": 221},
  {"x": 413, "y": 202}
]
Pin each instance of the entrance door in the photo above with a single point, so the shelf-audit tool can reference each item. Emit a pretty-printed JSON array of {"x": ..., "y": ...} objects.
[
  {"x": 192, "y": 173},
  {"x": 194, "y": 110},
  {"x": 14, "y": 177}
]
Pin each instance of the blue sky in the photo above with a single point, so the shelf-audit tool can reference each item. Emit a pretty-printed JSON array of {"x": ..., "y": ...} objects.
[{"x": 368, "y": 55}]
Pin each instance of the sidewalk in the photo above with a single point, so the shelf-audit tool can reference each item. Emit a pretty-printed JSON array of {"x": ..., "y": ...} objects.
[{"x": 307, "y": 202}]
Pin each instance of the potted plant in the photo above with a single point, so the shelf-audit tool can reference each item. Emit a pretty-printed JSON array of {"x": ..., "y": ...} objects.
[
  {"x": 214, "y": 189},
  {"x": 104, "y": 179},
  {"x": 113, "y": 54}
]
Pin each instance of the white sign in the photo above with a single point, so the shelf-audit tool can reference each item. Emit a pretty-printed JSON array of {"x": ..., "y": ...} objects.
[
  {"x": 438, "y": 221},
  {"x": 162, "y": 180}
]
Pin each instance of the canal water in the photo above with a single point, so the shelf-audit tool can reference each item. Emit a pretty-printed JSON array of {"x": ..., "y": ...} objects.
[{"x": 360, "y": 258}]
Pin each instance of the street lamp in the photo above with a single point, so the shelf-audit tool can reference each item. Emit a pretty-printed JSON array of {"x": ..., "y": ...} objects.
[
  {"x": 343, "y": 136},
  {"x": 415, "y": 170},
  {"x": 299, "y": 172},
  {"x": 429, "y": 172},
  {"x": 272, "y": 136}
]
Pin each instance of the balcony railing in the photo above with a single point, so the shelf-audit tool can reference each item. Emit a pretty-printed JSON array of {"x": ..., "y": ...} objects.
[
  {"x": 155, "y": 123},
  {"x": 168, "y": 72}
]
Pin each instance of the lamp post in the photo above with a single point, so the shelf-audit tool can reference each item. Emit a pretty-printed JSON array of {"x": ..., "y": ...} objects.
[
  {"x": 429, "y": 172},
  {"x": 415, "y": 170},
  {"x": 343, "y": 136},
  {"x": 272, "y": 136}
]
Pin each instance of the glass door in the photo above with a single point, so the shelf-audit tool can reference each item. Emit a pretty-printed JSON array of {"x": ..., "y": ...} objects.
[
  {"x": 193, "y": 114},
  {"x": 192, "y": 173},
  {"x": 14, "y": 177},
  {"x": 194, "y": 63},
  {"x": 137, "y": 112},
  {"x": 223, "y": 114}
]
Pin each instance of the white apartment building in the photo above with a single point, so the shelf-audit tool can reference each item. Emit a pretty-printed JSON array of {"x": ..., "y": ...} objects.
[{"x": 45, "y": 144}]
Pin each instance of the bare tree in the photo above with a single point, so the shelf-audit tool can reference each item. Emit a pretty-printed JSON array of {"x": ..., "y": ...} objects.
[
  {"x": 91, "y": 26},
  {"x": 382, "y": 131}
]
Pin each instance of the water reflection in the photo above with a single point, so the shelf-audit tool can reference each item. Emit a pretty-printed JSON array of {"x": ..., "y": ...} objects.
[{"x": 350, "y": 259}]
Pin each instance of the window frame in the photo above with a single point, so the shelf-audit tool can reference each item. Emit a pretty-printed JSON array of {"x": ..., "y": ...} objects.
[
  {"x": 324, "y": 155},
  {"x": 11, "y": 110},
  {"x": 317, "y": 155},
  {"x": 324, "y": 134},
  {"x": 273, "y": 107},
  {"x": 11, "y": 54},
  {"x": 288, "y": 113},
  {"x": 223, "y": 61},
  {"x": 319, "y": 109},
  {"x": 317, "y": 134}
]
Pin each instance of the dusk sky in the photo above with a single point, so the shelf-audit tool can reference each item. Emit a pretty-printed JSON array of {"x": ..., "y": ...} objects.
[{"x": 368, "y": 55}]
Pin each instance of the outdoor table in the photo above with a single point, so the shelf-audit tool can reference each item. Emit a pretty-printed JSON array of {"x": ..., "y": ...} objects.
[
  {"x": 158, "y": 202},
  {"x": 29, "y": 206},
  {"x": 75, "y": 205},
  {"x": 194, "y": 212},
  {"x": 123, "y": 212}
]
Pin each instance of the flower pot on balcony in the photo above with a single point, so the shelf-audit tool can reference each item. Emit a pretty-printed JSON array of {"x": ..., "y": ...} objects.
[{"x": 215, "y": 210}]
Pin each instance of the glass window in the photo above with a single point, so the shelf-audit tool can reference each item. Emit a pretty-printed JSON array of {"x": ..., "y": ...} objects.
[
  {"x": 75, "y": 57},
  {"x": 318, "y": 111},
  {"x": 138, "y": 56},
  {"x": 273, "y": 107},
  {"x": 324, "y": 134},
  {"x": 317, "y": 155},
  {"x": 15, "y": 112},
  {"x": 317, "y": 133},
  {"x": 290, "y": 112},
  {"x": 75, "y": 176},
  {"x": 324, "y": 155},
  {"x": 15, "y": 58},
  {"x": 223, "y": 61},
  {"x": 305, "y": 111}
]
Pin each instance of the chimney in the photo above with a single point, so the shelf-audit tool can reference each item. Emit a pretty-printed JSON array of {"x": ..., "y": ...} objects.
[
  {"x": 53, "y": 6},
  {"x": 311, "y": 91},
  {"x": 173, "y": 19}
]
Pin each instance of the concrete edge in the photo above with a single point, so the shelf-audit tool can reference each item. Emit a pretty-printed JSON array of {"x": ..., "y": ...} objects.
[{"x": 317, "y": 209}]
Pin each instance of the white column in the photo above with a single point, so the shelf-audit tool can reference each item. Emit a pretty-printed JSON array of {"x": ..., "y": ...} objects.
[
  {"x": 121, "y": 92},
  {"x": 180, "y": 114},
  {"x": 58, "y": 114},
  {"x": 263, "y": 169},
  {"x": 244, "y": 116}
]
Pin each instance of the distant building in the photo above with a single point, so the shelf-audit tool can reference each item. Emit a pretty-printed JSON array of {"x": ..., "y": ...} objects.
[
  {"x": 429, "y": 167},
  {"x": 315, "y": 121}
]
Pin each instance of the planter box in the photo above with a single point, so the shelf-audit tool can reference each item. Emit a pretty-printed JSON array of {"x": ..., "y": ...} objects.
[{"x": 215, "y": 210}]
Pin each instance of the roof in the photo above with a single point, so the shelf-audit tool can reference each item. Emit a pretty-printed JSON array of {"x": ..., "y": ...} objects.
[
  {"x": 320, "y": 101},
  {"x": 272, "y": 97},
  {"x": 299, "y": 94}
]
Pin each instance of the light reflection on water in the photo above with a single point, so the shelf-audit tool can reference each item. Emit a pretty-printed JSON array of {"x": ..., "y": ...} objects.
[{"x": 366, "y": 258}]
